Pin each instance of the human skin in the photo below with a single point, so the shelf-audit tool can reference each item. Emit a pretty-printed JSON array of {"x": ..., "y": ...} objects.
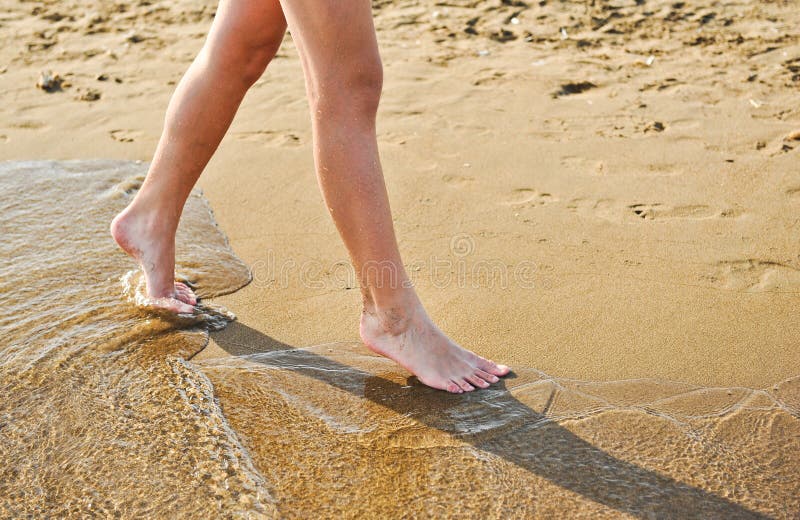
[{"x": 339, "y": 52}]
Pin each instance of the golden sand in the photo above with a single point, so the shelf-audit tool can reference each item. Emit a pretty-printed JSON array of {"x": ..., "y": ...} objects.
[{"x": 599, "y": 193}]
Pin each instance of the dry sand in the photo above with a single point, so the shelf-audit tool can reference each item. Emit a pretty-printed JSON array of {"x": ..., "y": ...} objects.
[{"x": 646, "y": 226}]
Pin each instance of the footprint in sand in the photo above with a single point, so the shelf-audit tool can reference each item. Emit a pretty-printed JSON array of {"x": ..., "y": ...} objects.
[
  {"x": 584, "y": 165},
  {"x": 527, "y": 197},
  {"x": 660, "y": 85},
  {"x": 29, "y": 125},
  {"x": 794, "y": 193},
  {"x": 780, "y": 146},
  {"x": 602, "y": 208},
  {"x": 270, "y": 137},
  {"x": 790, "y": 141},
  {"x": 489, "y": 78},
  {"x": 752, "y": 275},
  {"x": 523, "y": 200},
  {"x": 608, "y": 209},
  {"x": 396, "y": 138},
  {"x": 660, "y": 211},
  {"x": 457, "y": 180},
  {"x": 125, "y": 136}
]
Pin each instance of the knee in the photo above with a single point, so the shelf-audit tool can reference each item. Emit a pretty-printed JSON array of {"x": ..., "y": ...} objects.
[
  {"x": 252, "y": 66},
  {"x": 352, "y": 91},
  {"x": 243, "y": 62}
]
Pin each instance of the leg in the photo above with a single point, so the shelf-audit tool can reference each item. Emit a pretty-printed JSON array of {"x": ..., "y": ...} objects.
[
  {"x": 244, "y": 37},
  {"x": 339, "y": 51}
]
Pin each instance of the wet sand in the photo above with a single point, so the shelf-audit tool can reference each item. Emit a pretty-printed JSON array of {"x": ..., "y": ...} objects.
[
  {"x": 614, "y": 201},
  {"x": 658, "y": 207},
  {"x": 101, "y": 414}
]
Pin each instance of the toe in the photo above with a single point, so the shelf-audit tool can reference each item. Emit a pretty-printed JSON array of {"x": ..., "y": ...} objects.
[
  {"x": 465, "y": 386},
  {"x": 185, "y": 298},
  {"x": 477, "y": 381},
  {"x": 453, "y": 388},
  {"x": 493, "y": 368},
  {"x": 184, "y": 308},
  {"x": 184, "y": 294},
  {"x": 486, "y": 376},
  {"x": 172, "y": 305},
  {"x": 183, "y": 286}
]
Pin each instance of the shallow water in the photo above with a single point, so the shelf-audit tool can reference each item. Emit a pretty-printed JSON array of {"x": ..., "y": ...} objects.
[
  {"x": 104, "y": 413},
  {"x": 101, "y": 414}
]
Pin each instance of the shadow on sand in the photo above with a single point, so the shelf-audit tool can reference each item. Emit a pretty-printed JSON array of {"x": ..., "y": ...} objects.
[{"x": 551, "y": 451}]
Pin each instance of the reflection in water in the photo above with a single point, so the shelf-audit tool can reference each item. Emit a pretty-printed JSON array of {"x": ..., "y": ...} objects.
[{"x": 104, "y": 413}]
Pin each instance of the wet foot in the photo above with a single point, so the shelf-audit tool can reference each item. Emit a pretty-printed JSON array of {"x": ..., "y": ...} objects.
[
  {"x": 416, "y": 343},
  {"x": 152, "y": 244}
]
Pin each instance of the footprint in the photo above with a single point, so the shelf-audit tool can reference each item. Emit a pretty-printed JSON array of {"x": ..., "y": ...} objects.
[
  {"x": 396, "y": 138},
  {"x": 125, "y": 136},
  {"x": 783, "y": 145},
  {"x": 790, "y": 141},
  {"x": 584, "y": 165},
  {"x": 457, "y": 180},
  {"x": 660, "y": 211},
  {"x": 602, "y": 208},
  {"x": 660, "y": 85},
  {"x": 489, "y": 78},
  {"x": 794, "y": 193},
  {"x": 652, "y": 127},
  {"x": 529, "y": 198},
  {"x": 616, "y": 126},
  {"x": 608, "y": 209},
  {"x": 270, "y": 137},
  {"x": 29, "y": 125},
  {"x": 754, "y": 275}
]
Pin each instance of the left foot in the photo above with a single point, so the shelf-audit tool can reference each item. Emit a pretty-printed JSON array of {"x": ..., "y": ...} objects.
[
  {"x": 144, "y": 237},
  {"x": 412, "y": 340}
]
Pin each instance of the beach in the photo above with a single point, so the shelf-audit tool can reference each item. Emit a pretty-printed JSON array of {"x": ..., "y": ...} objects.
[{"x": 603, "y": 196}]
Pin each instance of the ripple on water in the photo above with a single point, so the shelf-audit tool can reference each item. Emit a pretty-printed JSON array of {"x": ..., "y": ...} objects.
[{"x": 102, "y": 414}]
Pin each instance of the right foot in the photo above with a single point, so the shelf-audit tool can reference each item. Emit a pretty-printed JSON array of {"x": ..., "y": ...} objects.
[
  {"x": 411, "y": 339},
  {"x": 153, "y": 247}
]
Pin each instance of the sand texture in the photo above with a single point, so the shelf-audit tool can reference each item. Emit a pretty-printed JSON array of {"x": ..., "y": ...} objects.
[
  {"x": 604, "y": 195},
  {"x": 616, "y": 199}
]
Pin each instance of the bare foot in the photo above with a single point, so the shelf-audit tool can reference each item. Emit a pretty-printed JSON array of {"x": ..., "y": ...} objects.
[
  {"x": 185, "y": 293},
  {"x": 411, "y": 339},
  {"x": 152, "y": 244}
]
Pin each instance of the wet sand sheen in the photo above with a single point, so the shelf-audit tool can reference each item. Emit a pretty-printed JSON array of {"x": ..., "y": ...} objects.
[
  {"x": 658, "y": 198},
  {"x": 101, "y": 415},
  {"x": 105, "y": 414},
  {"x": 343, "y": 432}
]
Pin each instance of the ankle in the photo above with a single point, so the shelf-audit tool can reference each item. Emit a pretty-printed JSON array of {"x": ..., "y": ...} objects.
[
  {"x": 393, "y": 315},
  {"x": 152, "y": 217}
]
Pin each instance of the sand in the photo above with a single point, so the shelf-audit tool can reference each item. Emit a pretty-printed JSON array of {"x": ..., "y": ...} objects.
[{"x": 631, "y": 182}]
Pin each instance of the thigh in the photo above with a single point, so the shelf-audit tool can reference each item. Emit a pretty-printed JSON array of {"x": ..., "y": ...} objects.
[{"x": 332, "y": 36}]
